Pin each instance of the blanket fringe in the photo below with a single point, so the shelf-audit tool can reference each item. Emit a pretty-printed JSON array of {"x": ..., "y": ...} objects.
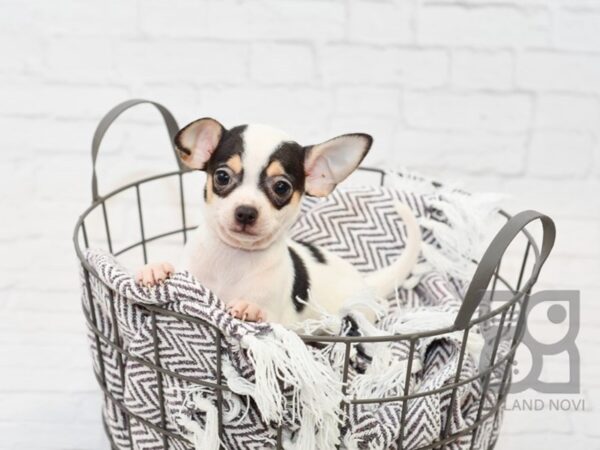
[
  {"x": 206, "y": 438},
  {"x": 459, "y": 237},
  {"x": 280, "y": 359},
  {"x": 385, "y": 375}
]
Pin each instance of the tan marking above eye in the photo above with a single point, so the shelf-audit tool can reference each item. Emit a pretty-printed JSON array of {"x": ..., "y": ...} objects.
[
  {"x": 295, "y": 198},
  {"x": 235, "y": 163},
  {"x": 209, "y": 189},
  {"x": 274, "y": 169}
]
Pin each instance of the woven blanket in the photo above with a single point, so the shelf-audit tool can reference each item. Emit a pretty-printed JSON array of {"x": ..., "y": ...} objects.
[{"x": 273, "y": 378}]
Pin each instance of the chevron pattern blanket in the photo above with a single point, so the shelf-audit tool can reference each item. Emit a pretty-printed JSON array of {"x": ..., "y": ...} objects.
[{"x": 273, "y": 378}]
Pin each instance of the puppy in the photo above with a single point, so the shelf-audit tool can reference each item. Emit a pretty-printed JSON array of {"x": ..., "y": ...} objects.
[{"x": 256, "y": 177}]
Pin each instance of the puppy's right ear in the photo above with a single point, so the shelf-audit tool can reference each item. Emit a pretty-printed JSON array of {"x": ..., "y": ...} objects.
[{"x": 197, "y": 141}]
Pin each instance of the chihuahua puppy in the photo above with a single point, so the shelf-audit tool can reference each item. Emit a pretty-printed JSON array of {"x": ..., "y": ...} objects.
[{"x": 256, "y": 177}]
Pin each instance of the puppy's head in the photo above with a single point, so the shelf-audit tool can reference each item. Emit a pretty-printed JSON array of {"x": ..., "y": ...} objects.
[{"x": 257, "y": 175}]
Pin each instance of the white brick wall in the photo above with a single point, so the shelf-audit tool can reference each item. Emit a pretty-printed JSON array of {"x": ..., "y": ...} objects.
[{"x": 500, "y": 95}]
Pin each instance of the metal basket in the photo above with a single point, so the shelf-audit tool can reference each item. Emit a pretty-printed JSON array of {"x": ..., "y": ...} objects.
[{"x": 487, "y": 280}]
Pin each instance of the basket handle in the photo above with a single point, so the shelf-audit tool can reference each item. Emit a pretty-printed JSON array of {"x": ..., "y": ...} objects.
[
  {"x": 492, "y": 256},
  {"x": 110, "y": 117}
]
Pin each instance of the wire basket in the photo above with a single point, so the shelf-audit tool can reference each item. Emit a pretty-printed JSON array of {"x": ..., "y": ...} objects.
[{"x": 506, "y": 318}]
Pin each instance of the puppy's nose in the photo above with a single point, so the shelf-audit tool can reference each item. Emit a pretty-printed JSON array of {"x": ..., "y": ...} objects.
[{"x": 246, "y": 215}]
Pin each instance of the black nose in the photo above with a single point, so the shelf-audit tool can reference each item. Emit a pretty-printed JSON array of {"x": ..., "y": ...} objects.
[{"x": 246, "y": 215}]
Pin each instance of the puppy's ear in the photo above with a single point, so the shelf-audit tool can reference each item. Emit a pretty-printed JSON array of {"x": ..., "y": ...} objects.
[
  {"x": 197, "y": 141},
  {"x": 329, "y": 163}
]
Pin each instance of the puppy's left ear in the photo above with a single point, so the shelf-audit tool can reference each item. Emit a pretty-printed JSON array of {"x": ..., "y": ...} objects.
[
  {"x": 329, "y": 163},
  {"x": 197, "y": 142}
]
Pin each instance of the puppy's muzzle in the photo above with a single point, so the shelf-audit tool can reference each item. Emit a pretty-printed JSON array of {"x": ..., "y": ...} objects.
[{"x": 246, "y": 215}]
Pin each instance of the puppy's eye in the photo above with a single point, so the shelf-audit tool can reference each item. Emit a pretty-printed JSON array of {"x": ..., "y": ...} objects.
[
  {"x": 282, "y": 188},
  {"x": 222, "y": 178}
]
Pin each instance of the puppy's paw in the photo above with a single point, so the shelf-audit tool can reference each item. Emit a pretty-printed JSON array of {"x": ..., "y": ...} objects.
[
  {"x": 154, "y": 273},
  {"x": 247, "y": 311}
]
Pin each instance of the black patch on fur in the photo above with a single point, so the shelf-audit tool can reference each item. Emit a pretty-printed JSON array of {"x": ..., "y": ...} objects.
[
  {"x": 231, "y": 144},
  {"x": 355, "y": 332},
  {"x": 301, "y": 281},
  {"x": 315, "y": 252},
  {"x": 291, "y": 157}
]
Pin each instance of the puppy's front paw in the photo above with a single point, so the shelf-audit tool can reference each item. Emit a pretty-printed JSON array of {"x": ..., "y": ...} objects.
[
  {"x": 154, "y": 273},
  {"x": 247, "y": 311}
]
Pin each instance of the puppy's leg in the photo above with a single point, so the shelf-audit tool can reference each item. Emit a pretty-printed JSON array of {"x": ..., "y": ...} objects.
[
  {"x": 247, "y": 311},
  {"x": 154, "y": 273}
]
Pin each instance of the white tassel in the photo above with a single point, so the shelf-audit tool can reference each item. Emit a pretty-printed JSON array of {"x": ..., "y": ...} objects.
[
  {"x": 209, "y": 439},
  {"x": 206, "y": 438},
  {"x": 386, "y": 375},
  {"x": 282, "y": 357}
]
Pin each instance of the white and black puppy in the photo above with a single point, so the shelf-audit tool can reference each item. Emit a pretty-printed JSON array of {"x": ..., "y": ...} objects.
[{"x": 256, "y": 177}]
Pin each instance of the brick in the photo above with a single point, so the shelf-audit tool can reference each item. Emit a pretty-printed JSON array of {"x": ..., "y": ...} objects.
[
  {"x": 55, "y": 356},
  {"x": 70, "y": 435},
  {"x": 180, "y": 99},
  {"x": 580, "y": 5},
  {"x": 48, "y": 379},
  {"x": 460, "y": 153},
  {"x": 380, "y": 22},
  {"x": 381, "y": 128},
  {"x": 17, "y": 17},
  {"x": 560, "y": 154},
  {"x": 355, "y": 64},
  {"x": 31, "y": 300},
  {"x": 574, "y": 273},
  {"x": 587, "y": 424},
  {"x": 12, "y": 175},
  {"x": 229, "y": 19},
  {"x": 534, "y": 421},
  {"x": 299, "y": 111},
  {"x": 540, "y": 440},
  {"x": 49, "y": 323},
  {"x": 472, "y": 69},
  {"x": 296, "y": 19},
  {"x": 454, "y": 111},
  {"x": 541, "y": 70},
  {"x": 282, "y": 63},
  {"x": 51, "y": 408},
  {"x": 367, "y": 100},
  {"x": 18, "y": 337},
  {"x": 59, "y": 100},
  {"x": 590, "y": 373},
  {"x": 81, "y": 59},
  {"x": 192, "y": 62},
  {"x": 571, "y": 198},
  {"x": 13, "y": 130},
  {"x": 567, "y": 112},
  {"x": 569, "y": 241},
  {"x": 578, "y": 30},
  {"x": 73, "y": 18},
  {"x": 20, "y": 54},
  {"x": 64, "y": 136},
  {"x": 489, "y": 26},
  {"x": 223, "y": 19}
]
